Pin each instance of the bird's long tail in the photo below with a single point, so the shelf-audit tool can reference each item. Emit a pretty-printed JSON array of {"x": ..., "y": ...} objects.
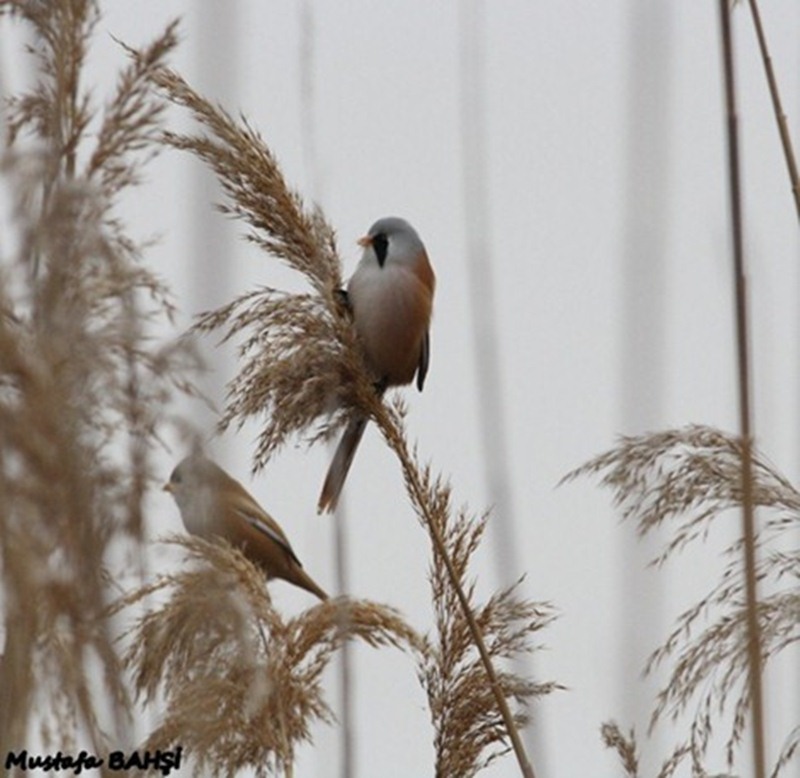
[
  {"x": 303, "y": 579},
  {"x": 340, "y": 466}
]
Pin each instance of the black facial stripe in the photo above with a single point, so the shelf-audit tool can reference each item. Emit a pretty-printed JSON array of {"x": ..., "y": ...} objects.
[{"x": 381, "y": 244}]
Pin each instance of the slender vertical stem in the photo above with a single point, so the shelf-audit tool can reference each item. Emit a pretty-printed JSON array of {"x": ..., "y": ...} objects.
[
  {"x": 643, "y": 315},
  {"x": 743, "y": 357},
  {"x": 348, "y": 769},
  {"x": 780, "y": 116}
]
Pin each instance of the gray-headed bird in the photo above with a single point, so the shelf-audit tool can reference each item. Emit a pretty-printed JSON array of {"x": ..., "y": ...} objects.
[{"x": 390, "y": 296}]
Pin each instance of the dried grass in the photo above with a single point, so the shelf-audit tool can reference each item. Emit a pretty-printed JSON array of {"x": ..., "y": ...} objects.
[
  {"x": 625, "y": 746},
  {"x": 300, "y": 357},
  {"x": 82, "y": 389},
  {"x": 469, "y": 731},
  {"x": 684, "y": 481},
  {"x": 242, "y": 683}
]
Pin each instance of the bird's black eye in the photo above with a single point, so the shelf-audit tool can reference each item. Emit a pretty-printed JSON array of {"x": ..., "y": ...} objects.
[
  {"x": 381, "y": 244},
  {"x": 176, "y": 477}
]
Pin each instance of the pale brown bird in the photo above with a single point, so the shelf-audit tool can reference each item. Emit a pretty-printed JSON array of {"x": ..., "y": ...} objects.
[
  {"x": 214, "y": 504},
  {"x": 391, "y": 299}
]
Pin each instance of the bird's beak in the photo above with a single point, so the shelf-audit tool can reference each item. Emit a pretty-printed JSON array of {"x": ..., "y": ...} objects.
[
  {"x": 365, "y": 241},
  {"x": 168, "y": 487}
]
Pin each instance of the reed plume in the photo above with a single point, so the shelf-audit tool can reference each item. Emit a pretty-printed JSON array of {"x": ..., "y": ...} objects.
[
  {"x": 299, "y": 357},
  {"x": 625, "y": 746},
  {"x": 686, "y": 480},
  {"x": 242, "y": 684},
  {"x": 82, "y": 387},
  {"x": 469, "y": 730}
]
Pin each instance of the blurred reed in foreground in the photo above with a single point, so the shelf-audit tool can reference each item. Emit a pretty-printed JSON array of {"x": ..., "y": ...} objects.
[{"x": 83, "y": 391}]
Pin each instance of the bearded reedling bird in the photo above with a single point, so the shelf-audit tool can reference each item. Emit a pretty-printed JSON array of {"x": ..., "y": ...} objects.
[
  {"x": 390, "y": 296},
  {"x": 212, "y": 504}
]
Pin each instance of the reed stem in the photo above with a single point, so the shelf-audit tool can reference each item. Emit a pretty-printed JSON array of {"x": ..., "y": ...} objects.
[
  {"x": 777, "y": 105},
  {"x": 745, "y": 427}
]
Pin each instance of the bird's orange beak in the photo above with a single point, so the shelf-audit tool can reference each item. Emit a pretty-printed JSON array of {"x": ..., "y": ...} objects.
[
  {"x": 168, "y": 487},
  {"x": 365, "y": 241}
]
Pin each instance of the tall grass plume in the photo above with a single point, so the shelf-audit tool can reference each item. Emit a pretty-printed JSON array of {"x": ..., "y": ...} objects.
[
  {"x": 685, "y": 482},
  {"x": 82, "y": 388}
]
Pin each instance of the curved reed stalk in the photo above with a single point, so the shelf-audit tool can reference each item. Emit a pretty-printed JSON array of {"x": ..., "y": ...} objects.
[{"x": 431, "y": 502}]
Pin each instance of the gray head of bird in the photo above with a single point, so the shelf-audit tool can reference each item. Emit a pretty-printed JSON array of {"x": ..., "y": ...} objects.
[
  {"x": 392, "y": 239},
  {"x": 195, "y": 484}
]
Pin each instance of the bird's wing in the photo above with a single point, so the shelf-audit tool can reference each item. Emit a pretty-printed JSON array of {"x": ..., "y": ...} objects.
[
  {"x": 424, "y": 359},
  {"x": 343, "y": 299},
  {"x": 247, "y": 509}
]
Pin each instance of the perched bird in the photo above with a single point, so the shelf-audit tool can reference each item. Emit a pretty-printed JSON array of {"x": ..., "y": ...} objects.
[
  {"x": 214, "y": 504},
  {"x": 390, "y": 296}
]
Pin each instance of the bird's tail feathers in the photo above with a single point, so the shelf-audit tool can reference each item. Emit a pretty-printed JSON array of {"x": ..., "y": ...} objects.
[
  {"x": 305, "y": 581},
  {"x": 342, "y": 459}
]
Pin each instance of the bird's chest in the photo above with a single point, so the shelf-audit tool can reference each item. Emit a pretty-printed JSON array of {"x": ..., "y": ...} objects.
[
  {"x": 201, "y": 513},
  {"x": 391, "y": 312}
]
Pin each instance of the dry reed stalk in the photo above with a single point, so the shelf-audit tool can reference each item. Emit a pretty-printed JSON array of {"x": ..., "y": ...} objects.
[
  {"x": 302, "y": 370},
  {"x": 743, "y": 383},
  {"x": 460, "y": 748},
  {"x": 82, "y": 390},
  {"x": 777, "y": 105},
  {"x": 687, "y": 481}
]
